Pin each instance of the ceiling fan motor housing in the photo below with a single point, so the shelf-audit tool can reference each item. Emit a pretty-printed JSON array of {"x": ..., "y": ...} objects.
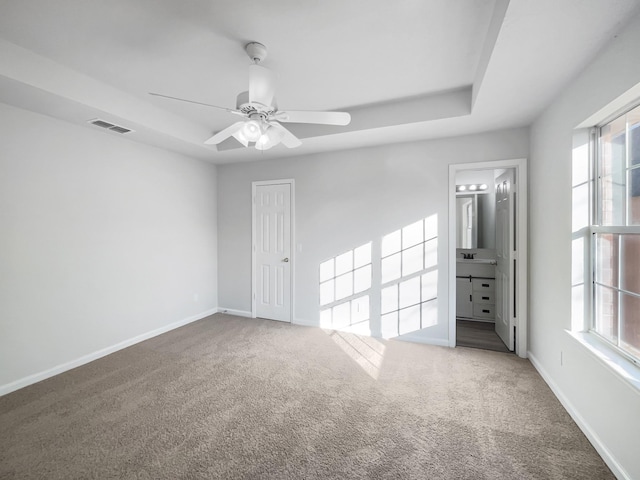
[{"x": 248, "y": 108}]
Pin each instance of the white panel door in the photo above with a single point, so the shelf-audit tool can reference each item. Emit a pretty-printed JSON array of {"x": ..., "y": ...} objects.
[
  {"x": 272, "y": 249},
  {"x": 505, "y": 255}
]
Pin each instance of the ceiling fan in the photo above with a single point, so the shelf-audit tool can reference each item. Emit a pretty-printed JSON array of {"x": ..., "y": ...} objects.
[{"x": 261, "y": 124}]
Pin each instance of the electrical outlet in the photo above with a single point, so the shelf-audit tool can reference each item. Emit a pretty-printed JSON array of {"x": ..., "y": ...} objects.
[{"x": 195, "y": 297}]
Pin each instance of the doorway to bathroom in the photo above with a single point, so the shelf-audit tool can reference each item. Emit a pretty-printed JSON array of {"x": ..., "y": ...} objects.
[{"x": 487, "y": 256}]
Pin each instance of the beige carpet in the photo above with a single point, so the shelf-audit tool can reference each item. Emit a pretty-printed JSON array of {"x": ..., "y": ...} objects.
[{"x": 230, "y": 397}]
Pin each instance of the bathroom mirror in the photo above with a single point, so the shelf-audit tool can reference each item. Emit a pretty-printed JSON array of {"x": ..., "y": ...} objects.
[{"x": 475, "y": 220}]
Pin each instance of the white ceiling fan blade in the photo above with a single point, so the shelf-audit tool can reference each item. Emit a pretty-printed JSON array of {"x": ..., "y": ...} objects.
[
  {"x": 324, "y": 118},
  {"x": 288, "y": 139},
  {"x": 261, "y": 85},
  {"x": 241, "y": 138},
  {"x": 224, "y": 134},
  {"x": 230, "y": 110}
]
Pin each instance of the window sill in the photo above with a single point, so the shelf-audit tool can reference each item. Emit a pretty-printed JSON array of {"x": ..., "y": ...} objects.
[{"x": 624, "y": 368}]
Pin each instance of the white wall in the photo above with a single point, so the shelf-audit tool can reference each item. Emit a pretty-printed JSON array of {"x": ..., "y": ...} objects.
[
  {"x": 101, "y": 240},
  {"x": 344, "y": 200},
  {"x": 606, "y": 408}
]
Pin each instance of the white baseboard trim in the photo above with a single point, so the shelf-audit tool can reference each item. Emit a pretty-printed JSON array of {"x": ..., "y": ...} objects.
[
  {"x": 305, "y": 323},
  {"x": 37, "y": 377},
  {"x": 418, "y": 339},
  {"x": 593, "y": 437},
  {"x": 238, "y": 313},
  {"x": 404, "y": 338}
]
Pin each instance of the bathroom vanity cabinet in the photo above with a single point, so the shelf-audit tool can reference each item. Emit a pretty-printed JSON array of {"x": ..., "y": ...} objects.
[{"x": 475, "y": 291}]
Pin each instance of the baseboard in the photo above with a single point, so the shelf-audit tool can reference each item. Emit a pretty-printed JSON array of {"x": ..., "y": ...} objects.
[
  {"x": 37, "y": 377},
  {"x": 238, "y": 313},
  {"x": 418, "y": 339},
  {"x": 593, "y": 437},
  {"x": 305, "y": 323},
  {"x": 404, "y": 338}
]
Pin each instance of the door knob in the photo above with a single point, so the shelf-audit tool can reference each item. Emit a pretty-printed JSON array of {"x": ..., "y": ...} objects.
[{"x": 285, "y": 260}]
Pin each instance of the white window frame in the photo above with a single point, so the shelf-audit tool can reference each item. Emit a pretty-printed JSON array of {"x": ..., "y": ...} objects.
[
  {"x": 582, "y": 269},
  {"x": 596, "y": 227}
]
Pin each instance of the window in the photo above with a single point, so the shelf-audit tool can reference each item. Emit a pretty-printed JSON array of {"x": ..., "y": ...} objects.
[{"x": 615, "y": 234}]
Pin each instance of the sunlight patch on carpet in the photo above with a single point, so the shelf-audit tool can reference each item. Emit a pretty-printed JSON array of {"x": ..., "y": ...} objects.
[{"x": 367, "y": 352}]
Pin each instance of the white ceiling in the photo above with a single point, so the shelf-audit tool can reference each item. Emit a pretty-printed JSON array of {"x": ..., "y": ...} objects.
[{"x": 405, "y": 70}]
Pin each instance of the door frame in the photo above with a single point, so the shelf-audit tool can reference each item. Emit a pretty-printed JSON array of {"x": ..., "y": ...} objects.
[
  {"x": 292, "y": 256},
  {"x": 521, "y": 301}
]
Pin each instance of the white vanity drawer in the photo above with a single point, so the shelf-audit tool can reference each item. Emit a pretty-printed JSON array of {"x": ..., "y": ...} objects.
[
  {"x": 484, "y": 297},
  {"x": 483, "y": 284},
  {"x": 483, "y": 311}
]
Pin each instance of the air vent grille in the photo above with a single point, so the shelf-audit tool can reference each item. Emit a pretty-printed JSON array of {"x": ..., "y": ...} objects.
[
  {"x": 115, "y": 128},
  {"x": 109, "y": 126},
  {"x": 102, "y": 124}
]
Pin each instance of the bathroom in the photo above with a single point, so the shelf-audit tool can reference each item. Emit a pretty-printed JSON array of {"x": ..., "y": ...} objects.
[{"x": 484, "y": 205}]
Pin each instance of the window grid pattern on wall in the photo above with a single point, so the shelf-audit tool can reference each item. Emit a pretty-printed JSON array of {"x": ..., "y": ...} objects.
[
  {"x": 409, "y": 278},
  {"x": 616, "y": 235},
  {"x": 344, "y": 283}
]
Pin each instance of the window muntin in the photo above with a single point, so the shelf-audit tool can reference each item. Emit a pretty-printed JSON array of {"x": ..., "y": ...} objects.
[{"x": 616, "y": 249}]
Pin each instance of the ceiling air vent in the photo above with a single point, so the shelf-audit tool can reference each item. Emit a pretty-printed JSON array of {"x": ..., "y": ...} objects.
[
  {"x": 118, "y": 129},
  {"x": 109, "y": 126}
]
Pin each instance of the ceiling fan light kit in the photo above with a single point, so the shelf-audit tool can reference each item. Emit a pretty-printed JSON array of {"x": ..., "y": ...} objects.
[
  {"x": 252, "y": 130},
  {"x": 261, "y": 126}
]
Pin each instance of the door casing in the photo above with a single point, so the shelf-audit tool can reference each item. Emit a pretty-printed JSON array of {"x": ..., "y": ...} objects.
[
  {"x": 292, "y": 257},
  {"x": 520, "y": 166}
]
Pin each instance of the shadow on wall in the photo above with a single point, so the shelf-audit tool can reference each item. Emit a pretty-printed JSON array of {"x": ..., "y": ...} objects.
[
  {"x": 345, "y": 284},
  {"x": 407, "y": 285}
]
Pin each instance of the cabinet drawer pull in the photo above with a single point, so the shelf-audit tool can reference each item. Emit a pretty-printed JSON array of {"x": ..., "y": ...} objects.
[
  {"x": 486, "y": 311},
  {"x": 485, "y": 298},
  {"x": 485, "y": 285}
]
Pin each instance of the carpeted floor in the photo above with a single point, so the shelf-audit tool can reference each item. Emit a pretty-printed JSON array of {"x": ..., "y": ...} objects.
[{"x": 230, "y": 397}]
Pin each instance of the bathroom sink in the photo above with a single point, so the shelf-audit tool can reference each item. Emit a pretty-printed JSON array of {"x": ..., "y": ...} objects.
[
  {"x": 478, "y": 267},
  {"x": 480, "y": 261}
]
